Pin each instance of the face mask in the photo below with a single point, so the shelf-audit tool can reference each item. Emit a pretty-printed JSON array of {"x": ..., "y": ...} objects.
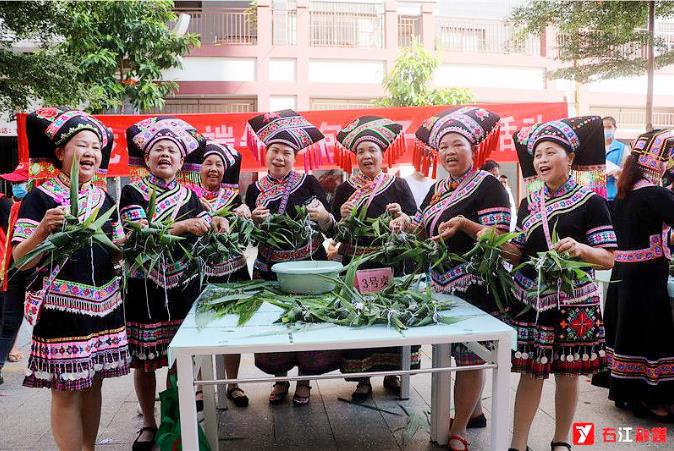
[
  {"x": 19, "y": 190},
  {"x": 609, "y": 134}
]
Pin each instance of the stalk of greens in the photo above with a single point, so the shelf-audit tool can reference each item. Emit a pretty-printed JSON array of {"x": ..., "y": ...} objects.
[
  {"x": 557, "y": 272},
  {"x": 73, "y": 236},
  {"x": 280, "y": 231},
  {"x": 214, "y": 247},
  {"x": 152, "y": 245},
  {"x": 485, "y": 261}
]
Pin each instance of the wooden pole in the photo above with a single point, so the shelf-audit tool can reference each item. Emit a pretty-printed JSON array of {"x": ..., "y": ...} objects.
[{"x": 651, "y": 65}]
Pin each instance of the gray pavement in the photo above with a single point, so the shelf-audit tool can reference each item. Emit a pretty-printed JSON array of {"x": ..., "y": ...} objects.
[{"x": 326, "y": 424}]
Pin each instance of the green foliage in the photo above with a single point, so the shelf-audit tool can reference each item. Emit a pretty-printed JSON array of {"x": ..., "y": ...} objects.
[
  {"x": 408, "y": 81},
  {"x": 598, "y": 40},
  {"x": 97, "y": 53},
  {"x": 121, "y": 49},
  {"x": 44, "y": 73}
]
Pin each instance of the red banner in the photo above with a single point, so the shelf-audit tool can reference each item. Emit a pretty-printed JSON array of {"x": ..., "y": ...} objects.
[{"x": 230, "y": 128}]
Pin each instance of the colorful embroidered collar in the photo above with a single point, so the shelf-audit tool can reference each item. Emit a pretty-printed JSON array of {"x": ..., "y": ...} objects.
[
  {"x": 161, "y": 184},
  {"x": 566, "y": 187}
]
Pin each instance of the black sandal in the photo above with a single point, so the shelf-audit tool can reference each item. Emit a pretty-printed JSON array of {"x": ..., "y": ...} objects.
[
  {"x": 239, "y": 401},
  {"x": 515, "y": 449},
  {"x": 564, "y": 444},
  {"x": 144, "y": 446},
  {"x": 358, "y": 396},
  {"x": 278, "y": 398}
]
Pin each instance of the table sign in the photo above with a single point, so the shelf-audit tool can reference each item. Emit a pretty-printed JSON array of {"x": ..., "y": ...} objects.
[{"x": 373, "y": 280}]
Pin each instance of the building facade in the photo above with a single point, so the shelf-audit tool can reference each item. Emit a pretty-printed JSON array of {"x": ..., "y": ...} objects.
[{"x": 315, "y": 54}]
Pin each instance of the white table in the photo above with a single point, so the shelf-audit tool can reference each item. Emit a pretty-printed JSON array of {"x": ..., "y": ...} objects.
[{"x": 193, "y": 349}]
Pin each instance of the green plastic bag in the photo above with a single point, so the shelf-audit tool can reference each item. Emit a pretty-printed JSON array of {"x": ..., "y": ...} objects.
[{"x": 168, "y": 436}]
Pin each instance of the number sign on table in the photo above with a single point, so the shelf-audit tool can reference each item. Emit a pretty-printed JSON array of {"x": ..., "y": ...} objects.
[{"x": 373, "y": 280}]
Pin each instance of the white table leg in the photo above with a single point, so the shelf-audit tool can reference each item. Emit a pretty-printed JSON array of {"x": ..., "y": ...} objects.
[
  {"x": 187, "y": 399},
  {"x": 210, "y": 411},
  {"x": 220, "y": 374},
  {"x": 500, "y": 411},
  {"x": 440, "y": 395},
  {"x": 406, "y": 361}
]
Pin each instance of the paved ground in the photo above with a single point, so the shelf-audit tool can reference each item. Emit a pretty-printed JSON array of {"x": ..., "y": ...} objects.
[{"x": 327, "y": 424}]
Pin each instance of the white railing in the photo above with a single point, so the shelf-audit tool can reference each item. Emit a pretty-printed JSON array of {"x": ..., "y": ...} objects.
[
  {"x": 635, "y": 118},
  {"x": 339, "y": 104},
  {"x": 346, "y": 29},
  {"x": 409, "y": 28},
  {"x": 284, "y": 27},
  {"x": 482, "y": 36},
  {"x": 182, "y": 105},
  {"x": 223, "y": 26}
]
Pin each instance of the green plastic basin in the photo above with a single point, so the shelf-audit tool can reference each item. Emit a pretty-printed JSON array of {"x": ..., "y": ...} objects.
[{"x": 307, "y": 277}]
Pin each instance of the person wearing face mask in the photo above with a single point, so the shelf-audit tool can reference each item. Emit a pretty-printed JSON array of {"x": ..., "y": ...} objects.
[
  {"x": 158, "y": 301},
  {"x": 559, "y": 333},
  {"x": 219, "y": 187},
  {"x": 79, "y": 337},
  {"x": 282, "y": 135},
  {"x": 11, "y": 303},
  {"x": 454, "y": 211},
  {"x": 616, "y": 153},
  {"x": 368, "y": 137}
]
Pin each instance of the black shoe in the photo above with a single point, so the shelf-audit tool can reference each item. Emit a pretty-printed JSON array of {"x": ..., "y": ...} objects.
[
  {"x": 643, "y": 411},
  {"x": 278, "y": 398},
  {"x": 392, "y": 384},
  {"x": 359, "y": 396},
  {"x": 554, "y": 444},
  {"x": 515, "y": 449},
  {"x": 144, "y": 446}
]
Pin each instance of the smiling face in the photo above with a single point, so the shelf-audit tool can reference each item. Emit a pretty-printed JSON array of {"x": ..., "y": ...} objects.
[
  {"x": 164, "y": 159},
  {"x": 369, "y": 157},
  {"x": 212, "y": 170},
  {"x": 552, "y": 163},
  {"x": 280, "y": 160},
  {"x": 456, "y": 154},
  {"x": 86, "y": 146}
]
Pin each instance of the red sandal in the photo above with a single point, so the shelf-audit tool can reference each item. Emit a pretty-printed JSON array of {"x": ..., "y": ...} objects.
[{"x": 458, "y": 438}]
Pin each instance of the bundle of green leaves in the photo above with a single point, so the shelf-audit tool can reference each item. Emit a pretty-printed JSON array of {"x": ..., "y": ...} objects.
[
  {"x": 151, "y": 245},
  {"x": 485, "y": 261},
  {"x": 281, "y": 231},
  {"x": 74, "y": 235},
  {"x": 557, "y": 272}
]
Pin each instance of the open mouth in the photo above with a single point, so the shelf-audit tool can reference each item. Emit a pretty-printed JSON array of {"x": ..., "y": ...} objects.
[
  {"x": 451, "y": 160},
  {"x": 544, "y": 170},
  {"x": 164, "y": 163},
  {"x": 86, "y": 164}
]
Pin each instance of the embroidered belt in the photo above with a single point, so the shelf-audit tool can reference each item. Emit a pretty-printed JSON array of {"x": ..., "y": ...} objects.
[
  {"x": 226, "y": 267},
  {"x": 301, "y": 253},
  {"x": 350, "y": 250},
  {"x": 655, "y": 251}
]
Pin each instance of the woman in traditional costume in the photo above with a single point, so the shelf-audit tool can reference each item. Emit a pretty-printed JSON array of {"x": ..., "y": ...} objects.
[
  {"x": 638, "y": 315},
  {"x": 79, "y": 337},
  {"x": 218, "y": 188},
  {"x": 157, "y": 302},
  {"x": 456, "y": 209},
  {"x": 281, "y": 136},
  {"x": 377, "y": 192},
  {"x": 559, "y": 333}
]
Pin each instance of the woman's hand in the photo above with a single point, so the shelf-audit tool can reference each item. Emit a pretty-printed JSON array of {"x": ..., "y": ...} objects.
[
  {"x": 394, "y": 209},
  {"x": 346, "y": 209},
  {"x": 220, "y": 224},
  {"x": 242, "y": 211},
  {"x": 449, "y": 228},
  {"x": 318, "y": 213},
  {"x": 570, "y": 246},
  {"x": 400, "y": 224},
  {"x": 260, "y": 214},
  {"x": 195, "y": 226},
  {"x": 51, "y": 222}
]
